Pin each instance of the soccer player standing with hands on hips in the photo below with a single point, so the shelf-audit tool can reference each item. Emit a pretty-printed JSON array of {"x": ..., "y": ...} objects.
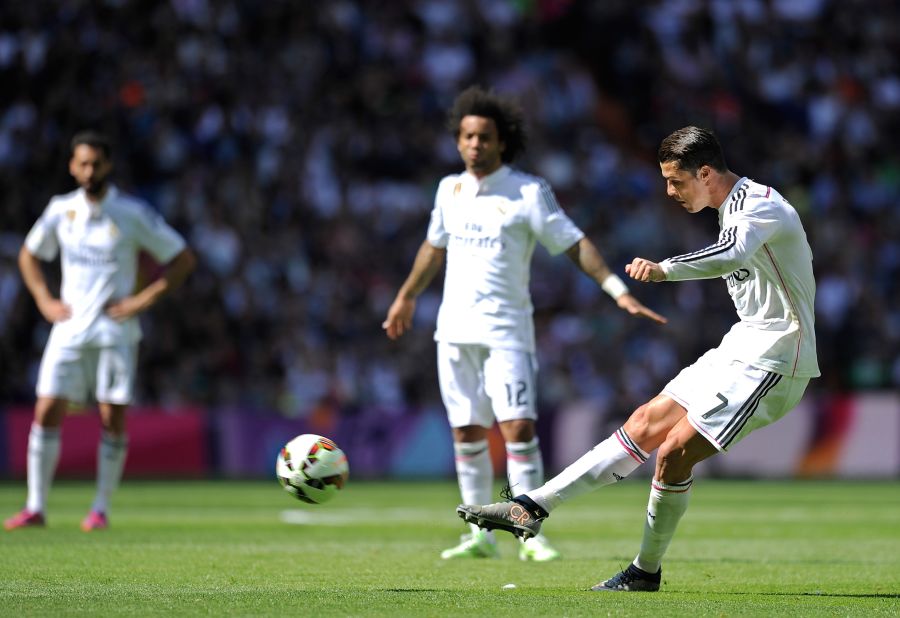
[
  {"x": 485, "y": 223},
  {"x": 92, "y": 350},
  {"x": 757, "y": 374}
]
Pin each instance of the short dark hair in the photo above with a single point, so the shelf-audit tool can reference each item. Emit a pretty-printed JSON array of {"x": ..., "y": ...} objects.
[
  {"x": 94, "y": 139},
  {"x": 506, "y": 114},
  {"x": 692, "y": 148}
]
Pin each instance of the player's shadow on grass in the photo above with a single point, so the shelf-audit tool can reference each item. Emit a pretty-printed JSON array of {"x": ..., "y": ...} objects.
[{"x": 849, "y": 595}]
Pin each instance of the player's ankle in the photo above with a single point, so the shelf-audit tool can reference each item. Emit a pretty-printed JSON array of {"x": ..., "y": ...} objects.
[{"x": 536, "y": 510}]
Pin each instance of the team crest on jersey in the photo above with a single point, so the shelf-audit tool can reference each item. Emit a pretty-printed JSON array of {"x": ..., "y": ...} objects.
[
  {"x": 70, "y": 215},
  {"x": 457, "y": 189},
  {"x": 113, "y": 229}
]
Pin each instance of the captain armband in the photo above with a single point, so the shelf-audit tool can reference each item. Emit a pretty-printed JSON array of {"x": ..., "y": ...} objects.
[{"x": 614, "y": 286}]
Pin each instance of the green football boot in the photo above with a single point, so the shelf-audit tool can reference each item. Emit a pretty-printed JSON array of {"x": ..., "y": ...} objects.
[
  {"x": 537, "y": 549},
  {"x": 473, "y": 545}
]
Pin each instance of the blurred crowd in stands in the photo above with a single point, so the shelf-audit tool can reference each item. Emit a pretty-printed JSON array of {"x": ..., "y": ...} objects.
[{"x": 297, "y": 146}]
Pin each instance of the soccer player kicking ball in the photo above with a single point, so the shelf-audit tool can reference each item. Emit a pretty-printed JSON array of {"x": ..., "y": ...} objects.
[
  {"x": 486, "y": 222},
  {"x": 757, "y": 374},
  {"x": 92, "y": 349}
]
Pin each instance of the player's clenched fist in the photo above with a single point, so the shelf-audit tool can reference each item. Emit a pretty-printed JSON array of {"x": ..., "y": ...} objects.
[{"x": 645, "y": 270}]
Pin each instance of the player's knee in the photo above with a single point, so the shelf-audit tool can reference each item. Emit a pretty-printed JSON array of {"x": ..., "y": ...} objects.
[
  {"x": 49, "y": 412},
  {"x": 673, "y": 464},
  {"x": 469, "y": 433},
  {"x": 638, "y": 425},
  {"x": 116, "y": 430},
  {"x": 519, "y": 430}
]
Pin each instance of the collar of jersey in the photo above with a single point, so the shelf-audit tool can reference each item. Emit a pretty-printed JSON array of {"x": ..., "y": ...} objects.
[
  {"x": 111, "y": 193},
  {"x": 490, "y": 180}
]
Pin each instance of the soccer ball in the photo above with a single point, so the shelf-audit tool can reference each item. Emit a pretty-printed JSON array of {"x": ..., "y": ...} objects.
[{"x": 312, "y": 468}]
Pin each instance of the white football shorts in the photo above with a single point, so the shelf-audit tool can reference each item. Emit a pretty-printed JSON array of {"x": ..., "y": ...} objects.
[
  {"x": 73, "y": 373},
  {"x": 727, "y": 399},
  {"x": 480, "y": 384}
]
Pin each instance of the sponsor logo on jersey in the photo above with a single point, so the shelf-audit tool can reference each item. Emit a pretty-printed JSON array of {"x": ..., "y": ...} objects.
[
  {"x": 484, "y": 242},
  {"x": 741, "y": 274}
]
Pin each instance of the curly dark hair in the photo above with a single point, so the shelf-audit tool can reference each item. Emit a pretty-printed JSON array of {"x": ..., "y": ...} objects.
[
  {"x": 692, "y": 148},
  {"x": 506, "y": 113}
]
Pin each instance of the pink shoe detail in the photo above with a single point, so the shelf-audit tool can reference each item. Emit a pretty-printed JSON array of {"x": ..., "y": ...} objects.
[
  {"x": 95, "y": 521},
  {"x": 25, "y": 519}
]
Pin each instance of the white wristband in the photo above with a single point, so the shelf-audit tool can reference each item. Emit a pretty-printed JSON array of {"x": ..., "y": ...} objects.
[{"x": 614, "y": 286}]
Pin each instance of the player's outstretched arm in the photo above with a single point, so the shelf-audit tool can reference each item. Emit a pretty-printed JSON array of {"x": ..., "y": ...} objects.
[
  {"x": 173, "y": 276},
  {"x": 53, "y": 309},
  {"x": 428, "y": 262},
  {"x": 586, "y": 256},
  {"x": 632, "y": 305}
]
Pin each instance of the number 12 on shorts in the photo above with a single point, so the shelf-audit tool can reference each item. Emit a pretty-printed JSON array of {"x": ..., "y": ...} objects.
[{"x": 516, "y": 393}]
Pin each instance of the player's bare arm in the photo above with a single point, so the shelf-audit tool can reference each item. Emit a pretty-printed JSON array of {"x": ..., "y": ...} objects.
[
  {"x": 175, "y": 273},
  {"x": 644, "y": 270},
  {"x": 53, "y": 309},
  {"x": 586, "y": 256},
  {"x": 429, "y": 260}
]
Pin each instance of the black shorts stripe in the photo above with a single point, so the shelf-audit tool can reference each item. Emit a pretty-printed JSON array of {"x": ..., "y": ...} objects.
[
  {"x": 746, "y": 410},
  {"x": 726, "y": 242},
  {"x": 749, "y": 402},
  {"x": 750, "y": 412}
]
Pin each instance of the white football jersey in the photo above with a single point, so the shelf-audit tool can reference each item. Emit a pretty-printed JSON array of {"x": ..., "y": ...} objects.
[
  {"x": 99, "y": 246},
  {"x": 489, "y": 227},
  {"x": 764, "y": 257}
]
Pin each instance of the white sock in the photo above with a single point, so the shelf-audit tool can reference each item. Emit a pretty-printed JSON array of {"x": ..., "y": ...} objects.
[
  {"x": 664, "y": 510},
  {"x": 608, "y": 462},
  {"x": 110, "y": 462},
  {"x": 43, "y": 455},
  {"x": 524, "y": 466},
  {"x": 475, "y": 474}
]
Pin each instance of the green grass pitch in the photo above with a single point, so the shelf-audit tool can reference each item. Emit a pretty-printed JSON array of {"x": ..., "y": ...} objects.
[{"x": 248, "y": 549}]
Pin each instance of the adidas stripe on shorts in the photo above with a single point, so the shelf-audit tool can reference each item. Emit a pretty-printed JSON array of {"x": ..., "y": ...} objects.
[{"x": 727, "y": 399}]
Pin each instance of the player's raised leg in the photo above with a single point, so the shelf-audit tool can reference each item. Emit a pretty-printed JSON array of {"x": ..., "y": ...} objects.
[{"x": 610, "y": 461}]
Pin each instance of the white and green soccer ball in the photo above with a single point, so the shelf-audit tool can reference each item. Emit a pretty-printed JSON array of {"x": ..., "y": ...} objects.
[{"x": 312, "y": 468}]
